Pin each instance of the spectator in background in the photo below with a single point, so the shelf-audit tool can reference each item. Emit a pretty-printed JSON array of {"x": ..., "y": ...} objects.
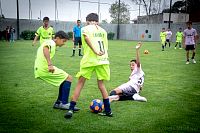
[
  {"x": 7, "y": 33},
  {"x": 12, "y": 32}
]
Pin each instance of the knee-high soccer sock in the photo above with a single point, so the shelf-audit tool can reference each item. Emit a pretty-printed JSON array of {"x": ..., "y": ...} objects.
[
  {"x": 79, "y": 51},
  {"x": 59, "y": 94},
  {"x": 169, "y": 44},
  {"x": 165, "y": 44},
  {"x": 193, "y": 55},
  {"x": 176, "y": 44},
  {"x": 73, "y": 53},
  {"x": 122, "y": 98},
  {"x": 179, "y": 45},
  {"x": 107, "y": 105},
  {"x": 163, "y": 47},
  {"x": 72, "y": 105},
  {"x": 65, "y": 91}
]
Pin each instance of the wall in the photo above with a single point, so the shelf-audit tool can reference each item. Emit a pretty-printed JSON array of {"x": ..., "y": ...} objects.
[{"x": 127, "y": 31}]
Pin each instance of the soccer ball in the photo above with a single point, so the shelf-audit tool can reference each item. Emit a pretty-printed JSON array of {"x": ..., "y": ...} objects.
[
  {"x": 146, "y": 51},
  {"x": 96, "y": 106}
]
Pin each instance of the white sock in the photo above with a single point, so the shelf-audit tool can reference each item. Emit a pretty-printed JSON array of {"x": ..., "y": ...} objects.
[{"x": 137, "y": 97}]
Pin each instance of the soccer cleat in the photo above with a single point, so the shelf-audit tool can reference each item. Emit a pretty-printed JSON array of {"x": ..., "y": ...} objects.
[
  {"x": 137, "y": 97},
  {"x": 187, "y": 62},
  {"x": 109, "y": 114},
  {"x": 56, "y": 106},
  {"x": 174, "y": 47},
  {"x": 64, "y": 106},
  {"x": 80, "y": 55},
  {"x": 69, "y": 114},
  {"x": 193, "y": 61}
]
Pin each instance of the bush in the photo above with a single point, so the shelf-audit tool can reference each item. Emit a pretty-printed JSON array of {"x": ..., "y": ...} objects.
[
  {"x": 110, "y": 35},
  {"x": 27, "y": 35},
  {"x": 70, "y": 34}
]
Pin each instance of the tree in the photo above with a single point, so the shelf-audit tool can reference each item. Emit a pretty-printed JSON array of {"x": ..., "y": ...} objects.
[
  {"x": 150, "y": 6},
  {"x": 105, "y": 21},
  {"x": 124, "y": 16}
]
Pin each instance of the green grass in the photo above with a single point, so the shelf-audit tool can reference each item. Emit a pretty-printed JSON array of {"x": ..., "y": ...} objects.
[{"x": 171, "y": 87}]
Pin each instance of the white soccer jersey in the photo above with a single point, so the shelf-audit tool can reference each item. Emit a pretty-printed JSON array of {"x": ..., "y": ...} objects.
[
  {"x": 169, "y": 34},
  {"x": 189, "y": 35},
  {"x": 136, "y": 79}
]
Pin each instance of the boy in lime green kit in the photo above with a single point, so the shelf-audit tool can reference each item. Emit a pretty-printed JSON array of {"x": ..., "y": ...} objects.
[
  {"x": 163, "y": 35},
  {"x": 44, "y": 32},
  {"x": 45, "y": 70},
  {"x": 179, "y": 38},
  {"x": 95, "y": 59}
]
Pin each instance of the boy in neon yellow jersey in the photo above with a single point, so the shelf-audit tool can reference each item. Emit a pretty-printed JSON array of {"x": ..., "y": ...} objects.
[
  {"x": 45, "y": 32},
  {"x": 45, "y": 70},
  {"x": 95, "y": 59},
  {"x": 179, "y": 38},
  {"x": 163, "y": 38}
]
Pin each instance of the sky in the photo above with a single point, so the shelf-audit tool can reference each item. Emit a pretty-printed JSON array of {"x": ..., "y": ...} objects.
[{"x": 67, "y": 9}]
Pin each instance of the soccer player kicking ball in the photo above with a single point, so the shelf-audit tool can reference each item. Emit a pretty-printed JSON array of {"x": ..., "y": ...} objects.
[
  {"x": 190, "y": 41},
  {"x": 131, "y": 89},
  {"x": 45, "y": 70},
  {"x": 95, "y": 59}
]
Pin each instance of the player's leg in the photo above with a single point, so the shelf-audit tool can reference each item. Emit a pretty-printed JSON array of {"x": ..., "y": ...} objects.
[
  {"x": 187, "y": 54},
  {"x": 103, "y": 73},
  {"x": 85, "y": 73},
  {"x": 176, "y": 44},
  {"x": 80, "y": 44},
  {"x": 137, "y": 97},
  {"x": 169, "y": 43},
  {"x": 74, "y": 48},
  {"x": 193, "y": 54},
  {"x": 102, "y": 88},
  {"x": 163, "y": 45}
]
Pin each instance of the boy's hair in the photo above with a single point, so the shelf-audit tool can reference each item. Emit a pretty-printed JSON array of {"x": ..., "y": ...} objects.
[
  {"x": 62, "y": 35},
  {"x": 45, "y": 18},
  {"x": 78, "y": 20},
  {"x": 133, "y": 60},
  {"x": 163, "y": 28},
  {"x": 92, "y": 17},
  {"x": 180, "y": 28},
  {"x": 189, "y": 22}
]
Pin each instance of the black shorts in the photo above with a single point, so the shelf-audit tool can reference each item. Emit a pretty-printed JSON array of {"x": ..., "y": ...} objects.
[
  {"x": 77, "y": 41},
  {"x": 190, "y": 47},
  {"x": 167, "y": 40}
]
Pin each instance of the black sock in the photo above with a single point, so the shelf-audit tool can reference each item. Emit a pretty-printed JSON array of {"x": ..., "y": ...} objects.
[
  {"x": 122, "y": 98},
  {"x": 169, "y": 44},
  {"x": 72, "y": 105},
  {"x": 176, "y": 44},
  {"x": 165, "y": 44},
  {"x": 193, "y": 55},
  {"x": 65, "y": 91},
  {"x": 79, "y": 51},
  {"x": 107, "y": 105},
  {"x": 73, "y": 52},
  {"x": 59, "y": 94},
  {"x": 162, "y": 47}
]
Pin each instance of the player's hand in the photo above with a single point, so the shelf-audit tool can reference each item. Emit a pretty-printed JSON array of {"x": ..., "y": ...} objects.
[
  {"x": 99, "y": 53},
  {"x": 50, "y": 68},
  {"x": 138, "y": 45}
]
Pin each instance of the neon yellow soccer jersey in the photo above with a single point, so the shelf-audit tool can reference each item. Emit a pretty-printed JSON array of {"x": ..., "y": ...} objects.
[
  {"x": 45, "y": 34},
  {"x": 40, "y": 61},
  {"x": 98, "y": 38},
  {"x": 179, "y": 36},
  {"x": 163, "y": 36}
]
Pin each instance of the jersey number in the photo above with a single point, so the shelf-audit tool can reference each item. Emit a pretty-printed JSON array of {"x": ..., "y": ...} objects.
[
  {"x": 101, "y": 46},
  {"x": 140, "y": 81}
]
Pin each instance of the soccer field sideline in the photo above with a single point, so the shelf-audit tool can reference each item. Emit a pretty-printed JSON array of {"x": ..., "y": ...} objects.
[{"x": 171, "y": 87}]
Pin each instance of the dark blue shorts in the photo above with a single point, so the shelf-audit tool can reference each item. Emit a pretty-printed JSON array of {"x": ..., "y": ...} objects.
[{"x": 77, "y": 41}]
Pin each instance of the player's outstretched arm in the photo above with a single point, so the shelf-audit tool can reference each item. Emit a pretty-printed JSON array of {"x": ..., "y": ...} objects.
[
  {"x": 137, "y": 54},
  {"x": 47, "y": 56}
]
